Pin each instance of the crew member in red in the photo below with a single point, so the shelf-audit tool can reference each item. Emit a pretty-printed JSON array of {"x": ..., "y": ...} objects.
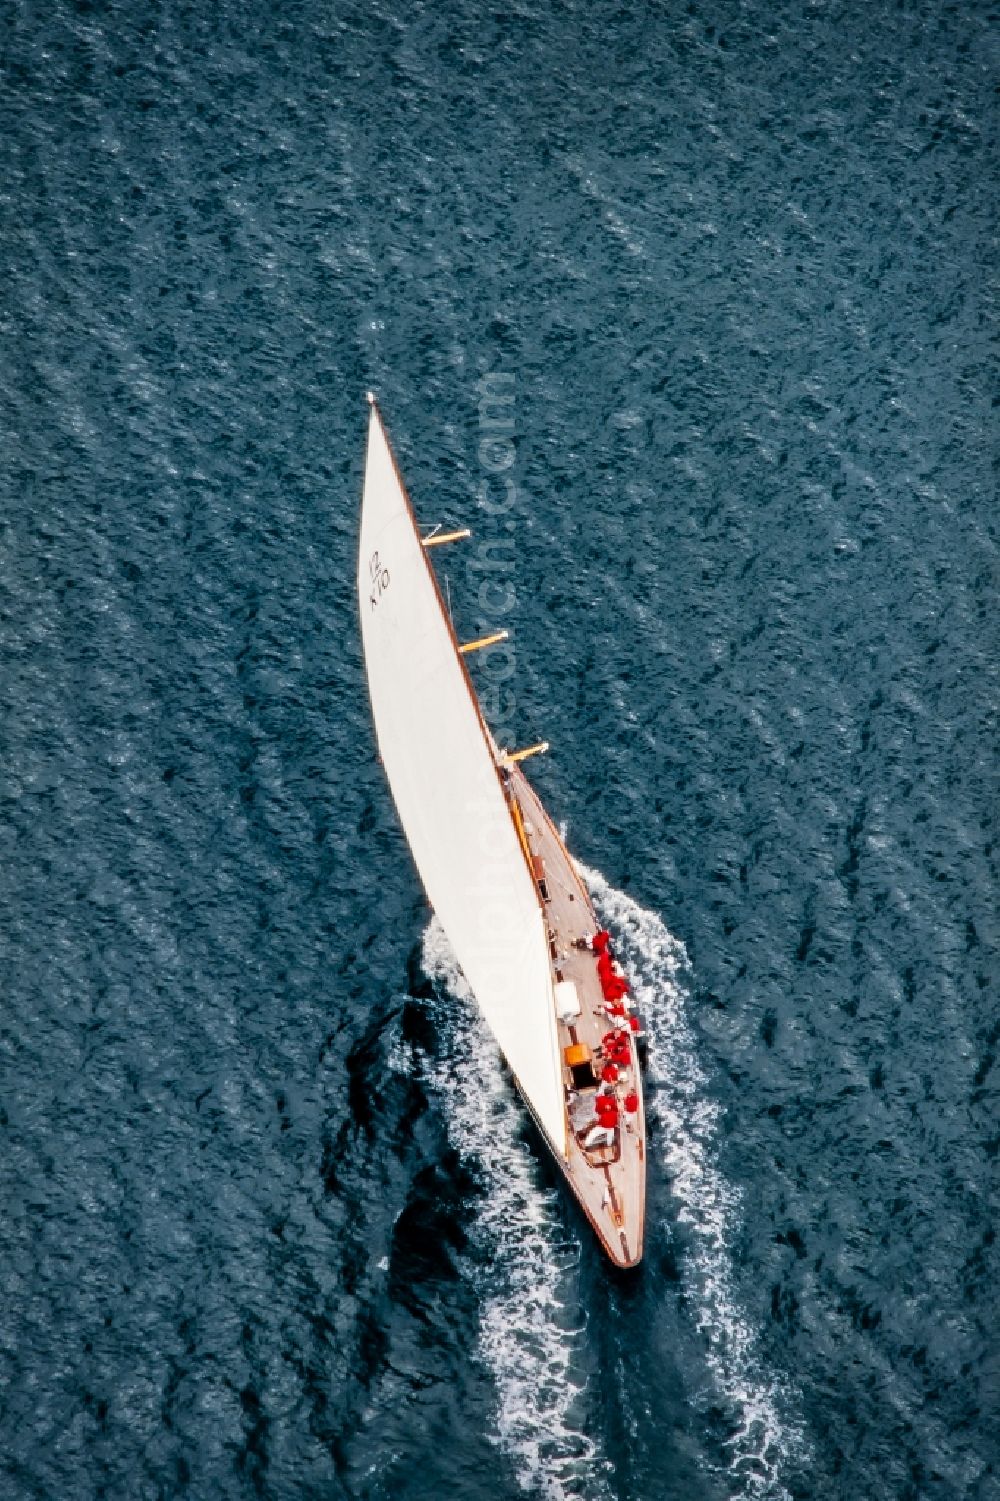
[
  {"x": 614, "y": 987},
  {"x": 615, "y": 1047},
  {"x": 600, "y": 941},
  {"x": 607, "y": 1109},
  {"x": 631, "y": 1102}
]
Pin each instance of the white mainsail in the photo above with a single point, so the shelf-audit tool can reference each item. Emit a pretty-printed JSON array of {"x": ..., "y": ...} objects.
[{"x": 438, "y": 758}]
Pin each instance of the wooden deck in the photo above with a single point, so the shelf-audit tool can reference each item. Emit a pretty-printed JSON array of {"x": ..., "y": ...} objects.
[{"x": 610, "y": 1183}]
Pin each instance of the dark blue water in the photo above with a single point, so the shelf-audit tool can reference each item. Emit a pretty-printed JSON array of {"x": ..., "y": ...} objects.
[{"x": 272, "y": 1224}]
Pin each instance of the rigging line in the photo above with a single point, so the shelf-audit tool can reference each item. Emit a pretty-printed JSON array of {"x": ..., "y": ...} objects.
[{"x": 561, "y": 884}]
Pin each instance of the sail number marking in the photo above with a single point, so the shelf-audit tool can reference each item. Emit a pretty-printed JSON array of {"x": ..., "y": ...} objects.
[{"x": 379, "y": 576}]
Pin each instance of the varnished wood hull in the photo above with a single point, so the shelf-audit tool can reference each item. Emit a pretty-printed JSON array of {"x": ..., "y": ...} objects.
[{"x": 611, "y": 1194}]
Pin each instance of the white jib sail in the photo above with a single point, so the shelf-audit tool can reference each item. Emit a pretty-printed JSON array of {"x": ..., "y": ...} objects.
[{"x": 444, "y": 781}]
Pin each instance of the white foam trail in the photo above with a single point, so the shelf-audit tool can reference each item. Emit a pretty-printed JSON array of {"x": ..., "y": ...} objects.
[
  {"x": 531, "y": 1326},
  {"x": 768, "y": 1433}
]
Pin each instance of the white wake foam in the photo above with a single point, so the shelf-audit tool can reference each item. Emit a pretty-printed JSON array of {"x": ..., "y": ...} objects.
[
  {"x": 768, "y": 1433},
  {"x": 530, "y": 1332}
]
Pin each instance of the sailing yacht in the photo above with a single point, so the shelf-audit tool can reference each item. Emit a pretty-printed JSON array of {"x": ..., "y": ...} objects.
[{"x": 510, "y": 900}]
